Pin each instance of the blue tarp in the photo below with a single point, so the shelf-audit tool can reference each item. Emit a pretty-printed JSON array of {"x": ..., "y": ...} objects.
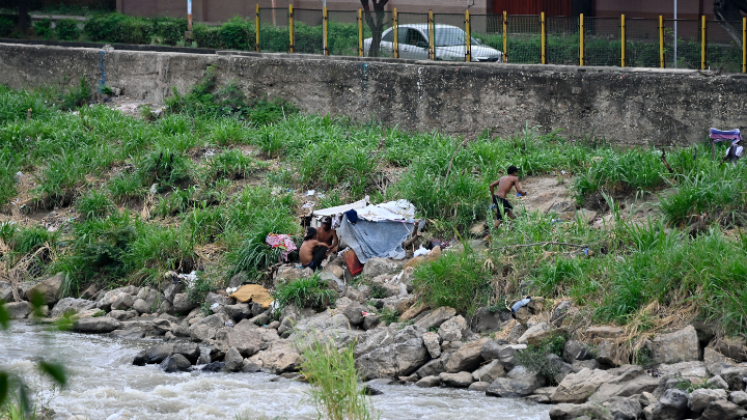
[{"x": 375, "y": 239}]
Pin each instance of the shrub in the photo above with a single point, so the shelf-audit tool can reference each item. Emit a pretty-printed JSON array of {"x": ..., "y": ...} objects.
[
  {"x": 457, "y": 280},
  {"x": 536, "y": 358},
  {"x": 7, "y": 26},
  {"x": 67, "y": 30},
  {"x": 309, "y": 292},
  {"x": 237, "y": 34},
  {"x": 333, "y": 377},
  {"x": 95, "y": 204},
  {"x": 165, "y": 168},
  {"x": 171, "y": 30},
  {"x": 43, "y": 28},
  {"x": 206, "y": 36}
]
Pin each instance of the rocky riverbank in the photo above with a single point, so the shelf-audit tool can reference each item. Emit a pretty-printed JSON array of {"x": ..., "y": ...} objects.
[{"x": 688, "y": 373}]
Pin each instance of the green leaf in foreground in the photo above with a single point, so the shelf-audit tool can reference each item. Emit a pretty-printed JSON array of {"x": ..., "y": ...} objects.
[
  {"x": 3, "y": 387},
  {"x": 4, "y": 317},
  {"x": 54, "y": 370}
]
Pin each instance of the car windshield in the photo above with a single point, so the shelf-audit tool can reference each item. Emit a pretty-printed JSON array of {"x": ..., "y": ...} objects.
[{"x": 446, "y": 37}]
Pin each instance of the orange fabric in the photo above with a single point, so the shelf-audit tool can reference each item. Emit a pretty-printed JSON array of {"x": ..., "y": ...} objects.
[{"x": 254, "y": 293}]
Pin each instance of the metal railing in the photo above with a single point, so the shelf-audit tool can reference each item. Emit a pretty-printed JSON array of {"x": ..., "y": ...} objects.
[{"x": 527, "y": 39}]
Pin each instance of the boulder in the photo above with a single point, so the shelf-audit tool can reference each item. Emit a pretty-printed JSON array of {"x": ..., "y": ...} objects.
[
  {"x": 249, "y": 367},
  {"x": 213, "y": 367},
  {"x": 579, "y": 412},
  {"x": 428, "y": 382},
  {"x": 723, "y": 410},
  {"x": 575, "y": 350},
  {"x": 287, "y": 272},
  {"x": 122, "y": 315},
  {"x": 434, "y": 318},
  {"x": 175, "y": 363},
  {"x": 536, "y": 334},
  {"x": 155, "y": 354},
  {"x": 432, "y": 368},
  {"x": 626, "y": 381},
  {"x": 522, "y": 316},
  {"x": 717, "y": 382},
  {"x": 735, "y": 377},
  {"x": 50, "y": 290},
  {"x": 604, "y": 332},
  {"x": 351, "y": 309},
  {"x": 96, "y": 325},
  {"x": 516, "y": 331},
  {"x": 371, "y": 321},
  {"x": 519, "y": 382},
  {"x": 375, "y": 267},
  {"x": 6, "y": 291},
  {"x": 732, "y": 347},
  {"x": 560, "y": 367},
  {"x": 281, "y": 356},
  {"x": 432, "y": 343},
  {"x": 182, "y": 304},
  {"x": 213, "y": 298},
  {"x": 206, "y": 328},
  {"x": 701, "y": 398},
  {"x": 489, "y": 372},
  {"x": 18, "y": 310},
  {"x": 172, "y": 289},
  {"x": 456, "y": 380},
  {"x": 453, "y": 329},
  {"x": 608, "y": 353},
  {"x": 373, "y": 339},
  {"x": 467, "y": 358},
  {"x": 739, "y": 398},
  {"x": 71, "y": 306},
  {"x": 479, "y": 386},
  {"x": 487, "y": 320},
  {"x": 237, "y": 312},
  {"x": 141, "y": 306},
  {"x": 397, "y": 359},
  {"x": 123, "y": 301},
  {"x": 504, "y": 353},
  {"x": 246, "y": 338},
  {"x": 624, "y": 408},
  {"x": 695, "y": 372},
  {"x": 671, "y": 406},
  {"x": 578, "y": 387},
  {"x": 233, "y": 355},
  {"x": 560, "y": 313},
  {"x": 679, "y": 346}
]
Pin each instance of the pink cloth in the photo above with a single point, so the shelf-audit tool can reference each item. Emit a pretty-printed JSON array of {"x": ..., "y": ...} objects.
[{"x": 281, "y": 241}]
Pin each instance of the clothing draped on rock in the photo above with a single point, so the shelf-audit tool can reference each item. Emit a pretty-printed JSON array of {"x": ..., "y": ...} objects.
[{"x": 281, "y": 241}]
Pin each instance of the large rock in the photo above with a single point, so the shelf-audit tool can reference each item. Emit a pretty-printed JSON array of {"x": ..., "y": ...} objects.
[
  {"x": 432, "y": 342},
  {"x": 723, "y": 410},
  {"x": 695, "y": 372},
  {"x": 624, "y": 408},
  {"x": 18, "y": 310},
  {"x": 103, "y": 324},
  {"x": 456, "y": 380},
  {"x": 154, "y": 354},
  {"x": 71, "y": 306},
  {"x": 6, "y": 291},
  {"x": 560, "y": 313},
  {"x": 375, "y": 267},
  {"x": 247, "y": 338},
  {"x": 280, "y": 357},
  {"x": 486, "y": 320},
  {"x": 578, "y": 387},
  {"x": 182, "y": 304},
  {"x": 428, "y": 382},
  {"x": 190, "y": 351},
  {"x": 287, "y": 272},
  {"x": 736, "y": 377},
  {"x": 739, "y": 398},
  {"x": 172, "y": 289},
  {"x": 679, "y": 346},
  {"x": 519, "y": 382},
  {"x": 123, "y": 301},
  {"x": 238, "y": 311},
  {"x": 604, "y": 332},
  {"x": 373, "y": 339},
  {"x": 489, "y": 372},
  {"x": 397, "y": 359},
  {"x": 206, "y": 328},
  {"x": 453, "y": 329},
  {"x": 627, "y": 380},
  {"x": 434, "y": 318},
  {"x": 535, "y": 334},
  {"x": 701, "y": 398},
  {"x": 467, "y": 358},
  {"x": 50, "y": 290},
  {"x": 672, "y": 405},
  {"x": 732, "y": 347},
  {"x": 351, "y": 309},
  {"x": 575, "y": 350},
  {"x": 504, "y": 353},
  {"x": 580, "y": 411},
  {"x": 176, "y": 363},
  {"x": 432, "y": 368}
]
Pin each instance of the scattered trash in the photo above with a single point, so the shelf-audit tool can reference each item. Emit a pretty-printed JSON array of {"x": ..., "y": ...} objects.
[
  {"x": 421, "y": 251},
  {"x": 229, "y": 323},
  {"x": 310, "y": 192},
  {"x": 215, "y": 305},
  {"x": 520, "y": 304},
  {"x": 154, "y": 188},
  {"x": 18, "y": 176},
  {"x": 187, "y": 279},
  {"x": 562, "y": 172},
  {"x": 282, "y": 241},
  {"x": 255, "y": 293}
]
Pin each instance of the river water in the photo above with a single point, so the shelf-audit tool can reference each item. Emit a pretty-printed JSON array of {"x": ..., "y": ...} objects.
[{"x": 103, "y": 384}]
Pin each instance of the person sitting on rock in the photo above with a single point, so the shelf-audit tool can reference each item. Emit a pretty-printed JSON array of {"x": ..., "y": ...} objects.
[
  {"x": 328, "y": 235},
  {"x": 313, "y": 251}
]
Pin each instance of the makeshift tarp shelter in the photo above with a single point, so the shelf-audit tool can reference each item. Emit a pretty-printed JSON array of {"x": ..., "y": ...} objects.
[{"x": 379, "y": 230}]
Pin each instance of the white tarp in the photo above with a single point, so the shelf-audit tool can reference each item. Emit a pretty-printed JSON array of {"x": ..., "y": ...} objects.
[
  {"x": 391, "y": 210},
  {"x": 332, "y": 211}
]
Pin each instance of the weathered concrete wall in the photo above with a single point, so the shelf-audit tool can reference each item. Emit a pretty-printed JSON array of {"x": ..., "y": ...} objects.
[{"x": 625, "y": 106}]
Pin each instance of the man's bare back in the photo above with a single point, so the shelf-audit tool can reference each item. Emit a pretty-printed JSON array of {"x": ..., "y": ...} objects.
[
  {"x": 504, "y": 187},
  {"x": 306, "y": 253}
]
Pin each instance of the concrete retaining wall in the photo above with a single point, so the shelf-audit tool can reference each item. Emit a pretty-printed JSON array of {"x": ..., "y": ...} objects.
[{"x": 625, "y": 106}]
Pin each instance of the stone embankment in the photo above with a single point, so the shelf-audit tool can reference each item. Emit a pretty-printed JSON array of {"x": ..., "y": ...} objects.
[{"x": 689, "y": 372}]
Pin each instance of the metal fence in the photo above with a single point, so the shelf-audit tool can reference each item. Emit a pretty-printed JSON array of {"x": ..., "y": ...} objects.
[{"x": 527, "y": 39}]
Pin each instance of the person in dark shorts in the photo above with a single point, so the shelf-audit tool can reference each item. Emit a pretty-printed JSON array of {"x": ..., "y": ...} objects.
[
  {"x": 313, "y": 251},
  {"x": 502, "y": 205}
]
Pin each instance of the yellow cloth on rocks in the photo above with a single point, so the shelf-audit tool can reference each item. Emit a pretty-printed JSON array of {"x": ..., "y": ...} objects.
[{"x": 255, "y": 293}]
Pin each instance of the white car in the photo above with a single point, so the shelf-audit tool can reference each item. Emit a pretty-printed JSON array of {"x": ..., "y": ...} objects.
[{"x": 450, "y": 43}]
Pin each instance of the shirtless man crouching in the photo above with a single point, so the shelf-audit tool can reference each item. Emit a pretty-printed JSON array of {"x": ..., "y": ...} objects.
[
  {"x": 328, "y": 235},
  {"x": 313, "y": 251},
  {"x": 504, "y": 186}
]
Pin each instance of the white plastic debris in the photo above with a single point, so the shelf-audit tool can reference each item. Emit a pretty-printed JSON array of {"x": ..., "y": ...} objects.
[
  {"x": 421, "y": 251},
  {"x": 310, "y": 192},
  {"x": 154, "y": 188}
]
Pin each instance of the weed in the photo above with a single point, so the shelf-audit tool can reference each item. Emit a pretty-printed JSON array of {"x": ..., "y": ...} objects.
[
  {"x": 538, "y": 358},
  {"x": 199, "y": 289},
  {"x": 95, "y": 204},
  {"x": 389, "y": 315},
  {"x": 377, "y": 291},
  {"x": 310, "y": 292}
]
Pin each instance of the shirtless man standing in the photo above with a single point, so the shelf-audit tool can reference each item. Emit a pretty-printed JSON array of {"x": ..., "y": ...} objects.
[
  {"x": 313, "y": 251},
  {"x": 328, "y": 235},
  {"x": 504, "y": 186}
]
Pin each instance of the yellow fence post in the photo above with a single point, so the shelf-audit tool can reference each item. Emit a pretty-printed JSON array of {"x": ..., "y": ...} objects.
[
  {"x": 256, "y": 24},
  {"x": 581, "y": 40},
  {"x": 325, "y": 28},
  {"x": 396, "y": 37},
  {"x": 622, "y": 40},
  {"x": 468, "y": 54},
  {"x": 431, "y": 36},
  {"x": 744, "y": 45},
  {"x": 661, "y": 41},
  {"x": 505, "y": 39},
  {"x": 360, "y": 32},
  {"x": 290, "y": 28},
  {"x": 543, "y": 34},
  {"x": 703, "y": 43}
]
